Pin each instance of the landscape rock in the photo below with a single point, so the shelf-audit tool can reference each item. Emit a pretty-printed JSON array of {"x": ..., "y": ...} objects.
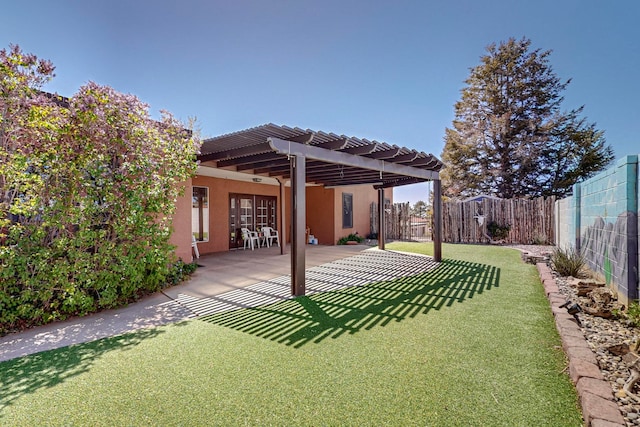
[
  {"x": 600, "y": 302},
  {"x": 595, "y": 407},
  {"x": 619, "y": 349},
  {"x": 584, "y": 287},
  {"x": 580, "y": 368},
  {"x": 604, "y": 423},
  {"x": 598, "y": 387}
]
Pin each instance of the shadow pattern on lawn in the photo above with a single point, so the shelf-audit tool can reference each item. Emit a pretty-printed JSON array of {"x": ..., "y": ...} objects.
[
  {"x": 304, "y": 320},
  {"x": 28, "y": 374}
]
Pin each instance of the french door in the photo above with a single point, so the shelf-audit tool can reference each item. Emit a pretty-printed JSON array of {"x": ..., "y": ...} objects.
[{"x": 252, "y": 212}]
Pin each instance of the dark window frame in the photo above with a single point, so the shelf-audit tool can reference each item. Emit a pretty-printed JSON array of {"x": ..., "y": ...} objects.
[
  {"x": 347, "y": 210},
  {"x": 200, "y": 201}
]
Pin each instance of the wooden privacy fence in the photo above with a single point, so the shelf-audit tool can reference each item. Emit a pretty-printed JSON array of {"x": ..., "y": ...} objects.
[
  {"x": 530, "y": 221},
  {"x": 397, "y": 221}
]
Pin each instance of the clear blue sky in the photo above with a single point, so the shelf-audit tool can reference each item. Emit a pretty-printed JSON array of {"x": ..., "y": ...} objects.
[{"x": 384, "y": 70}]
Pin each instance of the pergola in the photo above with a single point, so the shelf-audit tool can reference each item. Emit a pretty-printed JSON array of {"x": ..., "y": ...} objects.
[{"x": 304, "y": 156}]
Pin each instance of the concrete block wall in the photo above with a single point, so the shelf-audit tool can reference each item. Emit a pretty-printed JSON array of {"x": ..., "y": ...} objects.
[
  {"x": 602, "y": 220},
  {"x": 565, "y": 233}
]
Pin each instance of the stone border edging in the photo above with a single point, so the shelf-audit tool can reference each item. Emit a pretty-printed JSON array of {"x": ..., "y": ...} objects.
[{"x": 596, "y": 397}]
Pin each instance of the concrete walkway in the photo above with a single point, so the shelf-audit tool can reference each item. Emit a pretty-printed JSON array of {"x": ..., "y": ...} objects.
[{"x": 224, "y": 281}]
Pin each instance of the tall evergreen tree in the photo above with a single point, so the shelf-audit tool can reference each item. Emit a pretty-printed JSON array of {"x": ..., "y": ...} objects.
[
  {"x": 509, "y": 137},
  {"x": 419, "y": 209}
]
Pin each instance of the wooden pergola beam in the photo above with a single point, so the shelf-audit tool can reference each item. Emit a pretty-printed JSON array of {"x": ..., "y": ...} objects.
[
  {"x": 386, "y": 154},
  {"x": 336, "y": 144},
  {"x": 250, "y": 162},
  {"x": 362, "y": 149},
  {"x": 281, "y": 146},
  {"x": 236, "y": 152}
]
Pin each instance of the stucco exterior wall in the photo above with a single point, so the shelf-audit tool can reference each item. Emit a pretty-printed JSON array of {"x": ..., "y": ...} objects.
[
  {"x": 363, "y": 196},
  {"x": 181, "y": 236},
  {"x": 321, "y": 213},
  {"x": 324, "y": 211},
  {"x": 602, "y": 220},
  {"x": 219, "y": 190}
]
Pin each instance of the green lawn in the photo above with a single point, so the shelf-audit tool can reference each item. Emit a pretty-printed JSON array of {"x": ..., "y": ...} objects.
[{"x": 469, "y": 344}]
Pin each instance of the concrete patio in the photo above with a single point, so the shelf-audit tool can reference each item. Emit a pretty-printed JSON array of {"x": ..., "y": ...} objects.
[
  {"x": 225, "y": 281},
  {"x": 226, "y": 271}
]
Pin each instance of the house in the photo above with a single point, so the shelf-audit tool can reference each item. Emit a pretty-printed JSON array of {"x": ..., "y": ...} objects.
[
  {"x": 480, "y": 198},
  {"x": 290, "y": 179},
  {"x": 419, "y": 227}
]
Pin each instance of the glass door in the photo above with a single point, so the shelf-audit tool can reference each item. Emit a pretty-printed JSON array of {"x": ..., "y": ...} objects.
[
  {"x": 252, "y": 212},
  {"x": 241, "y": 215},
  {"x": 234, "y": 227}
]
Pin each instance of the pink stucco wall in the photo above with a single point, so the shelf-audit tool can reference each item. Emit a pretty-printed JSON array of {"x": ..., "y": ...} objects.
[
  {"x": 363, "y": 196},
  {"x": 323, "y": 208},
  {"x": 181, "y": 236},
  {"x": 219, "y": 190}
]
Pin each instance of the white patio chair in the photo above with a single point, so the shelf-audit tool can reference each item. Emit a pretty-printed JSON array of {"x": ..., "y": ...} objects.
[
  {"x": 249, "y": 237},
  {"x": 270, "y": 235},
  {"x": 194, "y": 245}
]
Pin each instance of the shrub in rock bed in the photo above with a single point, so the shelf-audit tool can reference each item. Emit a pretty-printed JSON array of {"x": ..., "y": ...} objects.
[{"x": 567, "y": 261}]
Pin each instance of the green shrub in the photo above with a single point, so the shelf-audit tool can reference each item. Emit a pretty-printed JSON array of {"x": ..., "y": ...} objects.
[
  {"x": 539, "y": 239},
  {"x": 87, "y": 189},
  {"x": 497, "y": 231},
  {"x": 179, "y": 272},
  {"x": 567, "y": 262},
  {"x": 351, "y": 238},
  {"x": 633, "y": 314}
]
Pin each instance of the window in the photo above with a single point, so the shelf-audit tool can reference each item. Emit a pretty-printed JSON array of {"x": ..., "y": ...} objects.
[
  {"x": 200, "y": 214},
  {"x": 347, "y": 210}
]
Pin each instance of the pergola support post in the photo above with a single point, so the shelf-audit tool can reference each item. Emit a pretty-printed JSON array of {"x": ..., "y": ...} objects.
[
  {"x": 283, "y": 222},
  {"x": 298, "y": 222},
  {"x": 437, "y": 220},
  {"x": 381, "y": 219}
]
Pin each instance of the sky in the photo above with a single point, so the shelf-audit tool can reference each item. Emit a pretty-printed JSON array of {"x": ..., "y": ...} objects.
[{"x": 383, "y": 70}]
